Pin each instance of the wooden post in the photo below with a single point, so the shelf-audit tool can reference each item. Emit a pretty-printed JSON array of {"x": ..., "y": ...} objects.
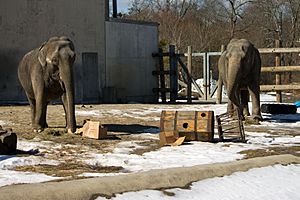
[
  {"x": 278, "y": 75},
  {"x": 162, "y": 76},
  {"x": 205, "y": 76},
  {"x": 173, "y": 74},
  {"x": 189, "y": 66},
  {"x": 207, "y": 81},
  {"x": 220, "y": 83}
]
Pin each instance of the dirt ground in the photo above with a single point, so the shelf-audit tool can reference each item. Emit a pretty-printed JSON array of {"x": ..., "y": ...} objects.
[{"x": 120, "y": 128}]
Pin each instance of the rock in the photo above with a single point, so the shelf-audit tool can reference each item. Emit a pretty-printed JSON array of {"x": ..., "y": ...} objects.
[{"x": 8, "y": 142}]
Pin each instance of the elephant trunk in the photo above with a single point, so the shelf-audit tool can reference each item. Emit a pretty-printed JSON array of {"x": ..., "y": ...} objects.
[
  {"x": 67, "y": 78},
  {"x": 233, "y": 80}
]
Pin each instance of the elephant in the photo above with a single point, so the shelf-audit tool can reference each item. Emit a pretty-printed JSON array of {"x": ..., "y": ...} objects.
[
  {"x": 46, "y": 73},
  {"x": 239, "y": 70}
]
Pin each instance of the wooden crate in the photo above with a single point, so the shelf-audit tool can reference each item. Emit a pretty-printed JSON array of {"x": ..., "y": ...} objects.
[
  {"x": 193, "y": 125},
  {"x": 230, "y": 127}
]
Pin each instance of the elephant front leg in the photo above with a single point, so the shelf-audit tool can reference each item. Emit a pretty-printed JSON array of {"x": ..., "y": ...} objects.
[
  {"x": 39, "y": 109},
  {"x": 70, "y": 123}
]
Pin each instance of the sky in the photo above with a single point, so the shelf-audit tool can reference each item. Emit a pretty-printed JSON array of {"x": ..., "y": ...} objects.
[{"x": 123, "y": 5}]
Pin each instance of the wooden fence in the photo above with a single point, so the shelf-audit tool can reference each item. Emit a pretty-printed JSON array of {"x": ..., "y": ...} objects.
[
  {"x": 278, "y": 69},
  {"x": 207, "y": 93}
]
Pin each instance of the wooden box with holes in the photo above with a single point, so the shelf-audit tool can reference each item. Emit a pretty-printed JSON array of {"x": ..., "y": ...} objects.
[{"x": 193, "y": 125}]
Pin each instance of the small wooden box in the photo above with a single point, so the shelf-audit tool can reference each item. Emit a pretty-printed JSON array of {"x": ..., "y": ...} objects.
[
  {"x": 194, "y": 125},
  {"x": 94, "y": 130}
]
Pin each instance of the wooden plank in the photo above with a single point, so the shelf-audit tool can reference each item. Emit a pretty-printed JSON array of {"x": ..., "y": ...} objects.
[
  {"x": 279, "y": 87},
  {"x": 279, "y": 50},
  {"x": 281, "y": 69},
  {"x": 193, "y": 81},
  {"x": 182, "y": 84},
  {"x": 169, "y": 113}
]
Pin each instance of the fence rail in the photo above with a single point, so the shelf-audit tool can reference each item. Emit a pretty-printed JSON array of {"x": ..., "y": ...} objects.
[
  {"x": 281, "y": 69},
  {"x": 207, "y": 93},
  {"x": 279, "y": 50}
]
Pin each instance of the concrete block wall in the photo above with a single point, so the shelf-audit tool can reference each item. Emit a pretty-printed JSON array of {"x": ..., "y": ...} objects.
[{"x": 129, "y": 61}]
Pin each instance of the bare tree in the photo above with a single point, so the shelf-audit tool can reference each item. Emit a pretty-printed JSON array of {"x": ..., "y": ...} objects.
[{"x": 232, "y": 12}]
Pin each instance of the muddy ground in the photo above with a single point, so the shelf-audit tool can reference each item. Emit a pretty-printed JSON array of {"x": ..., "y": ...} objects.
[{"x": 120, "y": 128}]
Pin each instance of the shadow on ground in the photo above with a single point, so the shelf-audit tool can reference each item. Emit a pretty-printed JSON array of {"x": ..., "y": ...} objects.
[
  {"x": 131, "y": 128},
  {"x": 283, "y": 118}
]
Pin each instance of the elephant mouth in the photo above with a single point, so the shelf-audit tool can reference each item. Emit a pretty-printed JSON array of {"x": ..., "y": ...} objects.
[{"x": 56, "y": 76}]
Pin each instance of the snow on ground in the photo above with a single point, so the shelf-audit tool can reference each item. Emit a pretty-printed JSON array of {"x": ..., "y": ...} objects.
[
  {"x": 274, "y": 182},
  {"x": 195, "y": 153},
  {"x": 9, "y": 177},
  {"x": 7, "y": 163}
]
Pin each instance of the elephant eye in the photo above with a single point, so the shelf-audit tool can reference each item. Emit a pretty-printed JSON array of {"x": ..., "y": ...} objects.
[{"x": 55, "y": 61}]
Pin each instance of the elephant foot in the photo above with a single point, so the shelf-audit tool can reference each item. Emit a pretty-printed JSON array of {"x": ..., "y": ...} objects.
[
  {"x": 246, "y": 113},
  {"x": 39, "y": 130},
  {"x": 254, "y": 119},
  {"x": 257, "y": 118},
  {"x": 71, "y": 130}
]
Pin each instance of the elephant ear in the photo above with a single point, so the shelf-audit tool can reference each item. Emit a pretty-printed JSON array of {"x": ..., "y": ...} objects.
[{"x": 42, "y": 55}]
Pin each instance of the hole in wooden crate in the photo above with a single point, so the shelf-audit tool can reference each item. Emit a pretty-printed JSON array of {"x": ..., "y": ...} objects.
[
  {"x": 185, "y": 125},
  {"x": 203, "y": 114}
]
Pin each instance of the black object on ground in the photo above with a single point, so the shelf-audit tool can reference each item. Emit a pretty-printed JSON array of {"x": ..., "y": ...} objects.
[
  {"x": 279, "y": 108},
  {"x": 8, "y": 144},
  {"x": 8, "y": 141}
]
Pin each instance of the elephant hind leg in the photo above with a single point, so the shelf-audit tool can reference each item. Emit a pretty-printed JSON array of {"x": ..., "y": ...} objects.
[
  {"x": 254, "y": 92},
  {"x": 44, "y": 116},
  {"x": 244, "y": 101}
]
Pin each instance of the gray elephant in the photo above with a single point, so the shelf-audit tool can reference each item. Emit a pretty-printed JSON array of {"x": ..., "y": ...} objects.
[
  {"x": 239, "y": 70},
  {"x": 46, "y": 74}
]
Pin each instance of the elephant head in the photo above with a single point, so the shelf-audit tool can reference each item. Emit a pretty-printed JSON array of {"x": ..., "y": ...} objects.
[{"x": 56, "y": 57}]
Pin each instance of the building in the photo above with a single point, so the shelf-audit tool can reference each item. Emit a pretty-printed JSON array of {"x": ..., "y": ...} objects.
[{"x": 113, "y": 56}]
